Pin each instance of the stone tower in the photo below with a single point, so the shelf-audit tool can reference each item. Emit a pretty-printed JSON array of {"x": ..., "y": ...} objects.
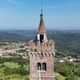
[{"x": 41, "y": 54}]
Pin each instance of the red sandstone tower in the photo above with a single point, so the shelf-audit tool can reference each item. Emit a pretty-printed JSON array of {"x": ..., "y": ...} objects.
[{"x": 41, "y": 53}]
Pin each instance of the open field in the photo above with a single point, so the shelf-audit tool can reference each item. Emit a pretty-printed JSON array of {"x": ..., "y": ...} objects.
[
  {"x": 13, "y": 68},
  {"x": 14, "y": 77},
  {"x": 11, "y": 65}
]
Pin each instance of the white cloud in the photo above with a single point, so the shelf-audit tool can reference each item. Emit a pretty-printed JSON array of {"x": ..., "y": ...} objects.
[{"x": 14, "y": 2}]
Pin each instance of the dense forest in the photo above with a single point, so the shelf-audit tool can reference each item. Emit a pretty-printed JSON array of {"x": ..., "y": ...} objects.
[{"x": 67, "y": 42}]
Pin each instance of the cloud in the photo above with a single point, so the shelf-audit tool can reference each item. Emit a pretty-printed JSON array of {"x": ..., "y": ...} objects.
[
  {"x": 68, "y": 5},
  {"x": 14, "y": 2}
]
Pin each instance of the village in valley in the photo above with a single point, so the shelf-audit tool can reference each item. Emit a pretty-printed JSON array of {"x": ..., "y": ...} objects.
[{"x": 21, "y": 48}]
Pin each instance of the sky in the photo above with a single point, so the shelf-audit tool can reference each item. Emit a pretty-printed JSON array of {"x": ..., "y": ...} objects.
[{"x": 25, "y": 14}]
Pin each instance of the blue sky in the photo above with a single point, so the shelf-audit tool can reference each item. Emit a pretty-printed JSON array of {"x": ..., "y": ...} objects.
[{"x": 24, "y": 14}]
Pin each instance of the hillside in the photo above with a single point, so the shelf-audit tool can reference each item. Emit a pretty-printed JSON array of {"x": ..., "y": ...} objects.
[{"x": 66, "y": 41}]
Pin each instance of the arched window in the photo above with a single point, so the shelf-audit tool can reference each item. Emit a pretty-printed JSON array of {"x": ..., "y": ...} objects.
[
  {"x": 44, "y": 67},
  {"x": 38, "y": 66},
  {"x": 41, "y": 38}
]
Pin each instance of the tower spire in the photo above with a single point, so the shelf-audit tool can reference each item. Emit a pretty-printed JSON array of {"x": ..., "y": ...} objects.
[{"x": 41, "y": 32}]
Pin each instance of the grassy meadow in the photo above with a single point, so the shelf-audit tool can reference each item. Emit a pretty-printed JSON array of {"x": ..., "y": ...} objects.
[{"x": 13, "y": 68}]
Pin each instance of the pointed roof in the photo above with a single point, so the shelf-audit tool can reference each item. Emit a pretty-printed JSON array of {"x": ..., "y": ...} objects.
[{"x": 41, "y": 28}]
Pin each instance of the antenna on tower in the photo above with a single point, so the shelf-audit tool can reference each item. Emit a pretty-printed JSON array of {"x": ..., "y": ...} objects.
[{"x": 41, "y": 8}]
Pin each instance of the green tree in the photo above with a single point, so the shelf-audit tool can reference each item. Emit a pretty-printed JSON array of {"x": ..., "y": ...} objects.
[
  {"x": 63, "y": 68},
  {"x": 7, "y": 71},
  {"x": 72, "y": 77},
  {"x": 22, "y": 71}
]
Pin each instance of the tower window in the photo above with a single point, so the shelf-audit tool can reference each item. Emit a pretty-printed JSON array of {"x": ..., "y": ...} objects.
[
  {"x": 41, "y": 37},
  {"x": 38, "y": 66},
  {"x": 44, "y": 66}
]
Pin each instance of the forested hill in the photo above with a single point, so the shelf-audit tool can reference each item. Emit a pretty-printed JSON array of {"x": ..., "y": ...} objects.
[{"x": 66, "y": 41}]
